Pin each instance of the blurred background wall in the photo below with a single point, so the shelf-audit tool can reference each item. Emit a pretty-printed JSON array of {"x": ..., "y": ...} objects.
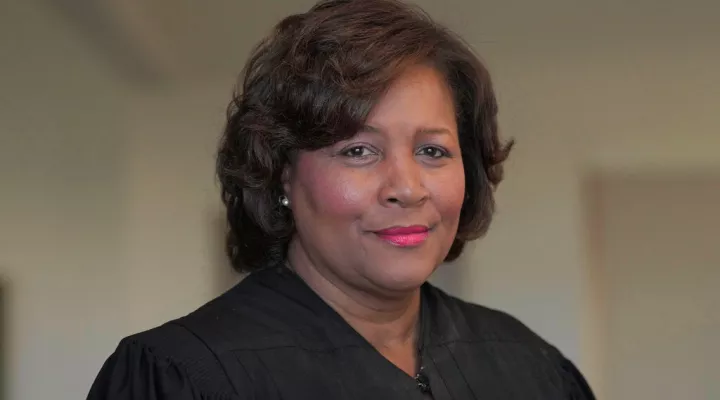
[{"x": 110, "y": 221}]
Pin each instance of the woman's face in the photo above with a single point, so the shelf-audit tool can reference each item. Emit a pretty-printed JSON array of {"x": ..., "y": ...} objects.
[{"x": 380, "y": 211}]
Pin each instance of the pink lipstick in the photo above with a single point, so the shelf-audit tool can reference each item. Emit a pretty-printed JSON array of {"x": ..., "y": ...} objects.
[{"x": 404, "y": 236}]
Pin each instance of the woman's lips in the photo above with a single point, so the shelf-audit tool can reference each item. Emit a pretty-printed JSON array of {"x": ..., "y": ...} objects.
[{"x": 404, "y": 236}]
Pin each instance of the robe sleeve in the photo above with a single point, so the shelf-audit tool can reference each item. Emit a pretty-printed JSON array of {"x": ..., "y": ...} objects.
[
  {"x": 134, "y": 372},
  {"x": 576, "y": 384}
]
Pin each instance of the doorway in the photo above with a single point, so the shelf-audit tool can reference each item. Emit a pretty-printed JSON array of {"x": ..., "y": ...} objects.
[{"x": 656, "y": 268}]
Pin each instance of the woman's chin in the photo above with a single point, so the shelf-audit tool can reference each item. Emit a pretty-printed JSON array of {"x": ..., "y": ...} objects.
[{"x": 399, "y": 278}]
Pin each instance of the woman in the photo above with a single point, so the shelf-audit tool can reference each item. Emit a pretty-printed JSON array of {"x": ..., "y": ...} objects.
[{"x": 361, "y": 153}]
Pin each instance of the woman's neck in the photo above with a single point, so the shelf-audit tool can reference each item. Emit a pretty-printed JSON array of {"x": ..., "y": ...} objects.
[{"x": 388, "y": 322}]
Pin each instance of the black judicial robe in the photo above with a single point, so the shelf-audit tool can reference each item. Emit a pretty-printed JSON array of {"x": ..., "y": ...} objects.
[{"x": 271, "y": 337}]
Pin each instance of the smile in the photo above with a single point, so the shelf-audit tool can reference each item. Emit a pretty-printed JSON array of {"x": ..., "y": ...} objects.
[{"x": 409, "y": 236}]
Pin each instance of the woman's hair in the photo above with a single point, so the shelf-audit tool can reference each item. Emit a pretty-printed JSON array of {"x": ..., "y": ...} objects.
[{"x": 312, "y": 83}]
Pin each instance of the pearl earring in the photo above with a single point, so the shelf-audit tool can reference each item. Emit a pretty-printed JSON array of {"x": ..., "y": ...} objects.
[{"x": 284, "y": 201}]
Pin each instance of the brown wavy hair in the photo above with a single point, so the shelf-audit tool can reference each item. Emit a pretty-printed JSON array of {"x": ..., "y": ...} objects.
[{"x": 312, "y": 82}]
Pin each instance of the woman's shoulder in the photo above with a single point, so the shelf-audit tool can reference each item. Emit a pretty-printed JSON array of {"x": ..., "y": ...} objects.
[
  {"x": 472, "y": 322},
  {"x": 184, "y": 358},
  {"x": 194, "y": 352},
  {"x": 484, "y": 330},
  {"x": 166, "y": 362}
]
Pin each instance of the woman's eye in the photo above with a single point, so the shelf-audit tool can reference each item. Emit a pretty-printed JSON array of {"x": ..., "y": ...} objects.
[
  {"x": 433, "y": 152},
  {"x": 357, "y": 152}
]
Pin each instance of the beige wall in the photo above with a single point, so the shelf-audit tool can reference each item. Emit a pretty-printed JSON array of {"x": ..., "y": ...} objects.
[
  {"x": 175, "y": 222},
  {"x": 108, "y": 217},
  {"x": 61, "y": 204}
]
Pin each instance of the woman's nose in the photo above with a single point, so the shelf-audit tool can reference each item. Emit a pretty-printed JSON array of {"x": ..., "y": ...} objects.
[{"x": 403, "y": 184}]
